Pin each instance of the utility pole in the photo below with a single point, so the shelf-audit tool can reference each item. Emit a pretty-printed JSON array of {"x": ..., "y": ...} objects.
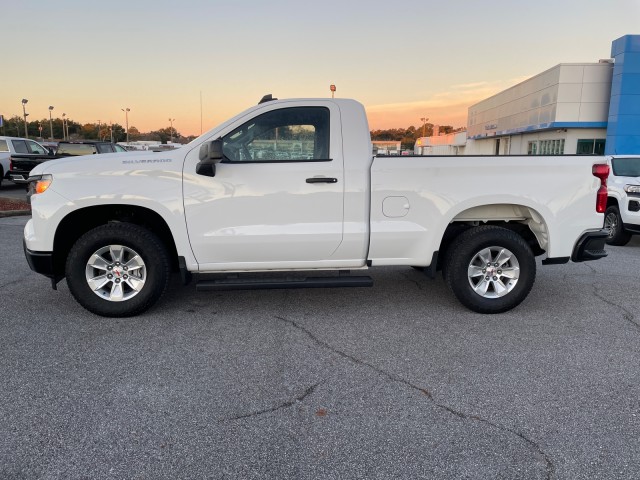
[
  {"x": 126, "y": 118},
  {"x": 24, "y": 112},
  {"x": 424, "y": 125},
  {"x": 50, "y": 124}
]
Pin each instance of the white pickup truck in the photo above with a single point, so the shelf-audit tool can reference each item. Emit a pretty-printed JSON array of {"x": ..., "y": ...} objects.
[
  {"x": 622, "y": 218},
  {"x": 291, "y": 188},
  {"x": 18, "y": 146}
]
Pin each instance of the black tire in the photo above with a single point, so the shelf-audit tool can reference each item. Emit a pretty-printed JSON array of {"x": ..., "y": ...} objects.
[
  {"x": 613, "y": 223},
  {"x": 467, "y": 248},
  {"x": 154, "y": 274}
]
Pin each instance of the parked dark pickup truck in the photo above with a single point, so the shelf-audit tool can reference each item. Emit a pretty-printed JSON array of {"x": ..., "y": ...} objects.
[{"x": 22, "y": 164}]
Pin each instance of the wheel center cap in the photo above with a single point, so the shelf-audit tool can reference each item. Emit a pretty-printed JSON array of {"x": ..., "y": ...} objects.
[{"x": 117, "y": 272}]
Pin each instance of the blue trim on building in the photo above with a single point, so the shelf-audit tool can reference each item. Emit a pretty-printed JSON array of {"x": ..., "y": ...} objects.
[
  {"x": 542, "y": 127},
  {"x": 623, "y": 133}
]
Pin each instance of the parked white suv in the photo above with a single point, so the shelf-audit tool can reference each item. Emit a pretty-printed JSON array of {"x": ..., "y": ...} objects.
[
  {"x": 17, "y": 145},
  {"x": 622, "y": 217}
]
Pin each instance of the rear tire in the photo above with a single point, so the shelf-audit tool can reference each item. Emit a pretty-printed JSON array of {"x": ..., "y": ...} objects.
[
  {"x": 490, "y": 269},
  {"x": 118, "y": 270},
  {"x": 613, "y": 223}
]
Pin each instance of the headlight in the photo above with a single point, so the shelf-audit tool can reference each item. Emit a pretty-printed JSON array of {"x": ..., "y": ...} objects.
[
  {"x": 632, "y": 189},
  {"x": 39, "y": 184}
]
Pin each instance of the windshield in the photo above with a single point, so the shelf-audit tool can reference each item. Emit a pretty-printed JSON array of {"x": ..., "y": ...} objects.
[{"x": 626, "y": 167}]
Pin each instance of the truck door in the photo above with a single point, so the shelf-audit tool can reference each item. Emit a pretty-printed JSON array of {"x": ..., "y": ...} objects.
[{"x": 276, "y": 199}]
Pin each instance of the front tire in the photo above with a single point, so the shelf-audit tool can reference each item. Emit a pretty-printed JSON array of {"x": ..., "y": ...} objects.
[
  {"x": 613, "y": 223},
  {"x": 490, "y": 269},
  {"x": 118, "y": 270}
]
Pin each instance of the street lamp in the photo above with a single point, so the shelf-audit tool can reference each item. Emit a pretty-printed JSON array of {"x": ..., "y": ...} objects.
[
  {"x": 64, "y": 128},
  {"x": 50, "y": 124},
  {"x": 171, "y": 120},
  {"x": 24, "y": 112},
  {"x": 126, "y": 118},
  {"x": 424, "y": 125}
]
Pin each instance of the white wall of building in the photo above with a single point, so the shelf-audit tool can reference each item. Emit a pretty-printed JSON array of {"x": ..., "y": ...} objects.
[
  {"x": 566, "y": 93},
  {"x": 554, "y": 110}
]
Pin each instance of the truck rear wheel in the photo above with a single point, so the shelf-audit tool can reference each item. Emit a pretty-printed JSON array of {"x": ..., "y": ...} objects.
[
  {"x": 118, "y": 270},
  {"x": 613, "y": 223},
  {"x": 490, "y": 269}
]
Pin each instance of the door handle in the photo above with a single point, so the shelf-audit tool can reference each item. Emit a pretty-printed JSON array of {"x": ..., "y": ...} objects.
[{"x": 322, "y": 180}]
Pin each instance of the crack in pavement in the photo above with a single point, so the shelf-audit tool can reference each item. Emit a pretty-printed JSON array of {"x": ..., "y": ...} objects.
[
  {"x": 286, "y": 404},
  {"x": 12, "y": 282},
  {"x": 626, "y": 314},
  {"x": 413, "y": 280},
  {"x": 549, "y": 466}
]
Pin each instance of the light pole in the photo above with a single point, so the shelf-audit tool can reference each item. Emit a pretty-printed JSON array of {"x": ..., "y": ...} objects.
[
  {"x": 50, "y": 124},
  {"x": 126, "y": 119},
  {"x": 64, "y": 128},
  {"x": 24, "y": 112},
  {"x": 111, "y": 130},
  {"x": 171, "y": 120},
  {"x": 98, "y": 129},
  {"x": 424, "y": 125}
]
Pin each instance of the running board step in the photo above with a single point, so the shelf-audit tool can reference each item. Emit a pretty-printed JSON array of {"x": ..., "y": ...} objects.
[{"x": 273, "y": 283}]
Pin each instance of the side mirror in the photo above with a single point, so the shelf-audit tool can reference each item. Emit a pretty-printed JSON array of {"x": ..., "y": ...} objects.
[{"x": 210, "y": 154}]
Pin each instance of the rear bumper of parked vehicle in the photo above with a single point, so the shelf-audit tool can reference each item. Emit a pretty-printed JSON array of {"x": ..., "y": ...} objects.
[
  {"x": 590, "y": 246},
  {"x": 18, "y": 176}
]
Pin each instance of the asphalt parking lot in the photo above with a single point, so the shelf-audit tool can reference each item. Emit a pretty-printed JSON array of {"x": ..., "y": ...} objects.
[{"x": 394, "y": 381}]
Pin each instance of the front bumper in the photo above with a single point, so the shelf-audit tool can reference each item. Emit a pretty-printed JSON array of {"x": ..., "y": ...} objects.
[
  {"x": 590, "y": 246},
  {"x": 39, "y": 262}
]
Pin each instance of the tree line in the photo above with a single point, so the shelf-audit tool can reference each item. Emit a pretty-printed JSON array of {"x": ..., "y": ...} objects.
[
  {"x": 14, "y": 127},
  {"x": 408, "y": 136}
]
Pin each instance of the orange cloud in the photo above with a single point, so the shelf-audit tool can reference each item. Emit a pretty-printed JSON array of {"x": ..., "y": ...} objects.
[{"x": 443, "y": 108}]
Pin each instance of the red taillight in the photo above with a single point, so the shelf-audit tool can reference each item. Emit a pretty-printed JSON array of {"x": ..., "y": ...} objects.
[{"x": 601, "y": 171}]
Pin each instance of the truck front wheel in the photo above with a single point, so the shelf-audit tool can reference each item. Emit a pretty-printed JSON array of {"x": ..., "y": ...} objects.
[
  {"x": 118, "y": 270},
  {"x": 613, "y": 223},
  {"x": 490, "y": 269}
]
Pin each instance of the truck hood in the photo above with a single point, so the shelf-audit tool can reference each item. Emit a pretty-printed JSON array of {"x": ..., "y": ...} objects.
[{"x": 107, "y": 161}]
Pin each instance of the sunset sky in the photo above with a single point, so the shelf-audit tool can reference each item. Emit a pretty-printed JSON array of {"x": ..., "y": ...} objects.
[{"x": 402, "y": 60}]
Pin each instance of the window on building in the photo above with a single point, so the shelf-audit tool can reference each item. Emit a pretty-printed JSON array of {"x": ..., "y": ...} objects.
[
  {"x": 551, "y": 147},
  {"x": 532, "y": 148},
  {"x": 287, "y": 134},
  {"x": 591, "y": 146}
]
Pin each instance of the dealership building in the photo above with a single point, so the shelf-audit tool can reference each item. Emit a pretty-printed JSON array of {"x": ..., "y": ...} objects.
[{"x": 572, "y": 108}]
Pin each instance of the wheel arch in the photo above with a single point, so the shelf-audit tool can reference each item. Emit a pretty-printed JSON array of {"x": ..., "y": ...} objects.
[
  {"x": 521, "y": 219},
  {"x": 612, "y": 202},
  {"x": 80, "y": 221}
]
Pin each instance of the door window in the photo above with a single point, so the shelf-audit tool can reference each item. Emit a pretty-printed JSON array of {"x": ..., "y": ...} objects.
[
  {"x": 104, "y": 148},
  {"x": 20, "y": 146},
  {"x": 286, "y": 135},
  {"x": 37, "y": 148}
]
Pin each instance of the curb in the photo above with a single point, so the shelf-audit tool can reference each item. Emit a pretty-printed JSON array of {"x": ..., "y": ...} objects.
[{"x": 14, "y": 213}]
